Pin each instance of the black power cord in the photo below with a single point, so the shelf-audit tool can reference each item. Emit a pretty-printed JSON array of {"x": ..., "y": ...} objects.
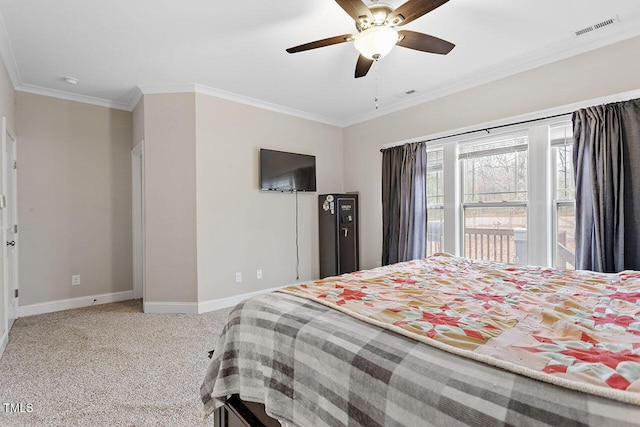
[{"x": 297, "y": 244}]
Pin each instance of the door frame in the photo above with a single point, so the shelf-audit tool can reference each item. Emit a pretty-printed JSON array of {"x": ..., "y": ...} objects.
[
  {"x": 11, "y": 304},
  {"x": 138, "y": 220}
]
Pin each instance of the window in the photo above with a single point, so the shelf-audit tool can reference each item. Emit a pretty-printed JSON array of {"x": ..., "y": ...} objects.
[
  {"x": 506, "y": 197},
  {"x": 494, "y": 178},
  {"x": 435, "y": 201},
  {"x": 563, "y": 203}
]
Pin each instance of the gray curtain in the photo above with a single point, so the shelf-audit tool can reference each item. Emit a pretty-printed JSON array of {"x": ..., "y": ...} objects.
[
  {"x": 606, "y": 158},
  {"x": 404, "y": 204}
]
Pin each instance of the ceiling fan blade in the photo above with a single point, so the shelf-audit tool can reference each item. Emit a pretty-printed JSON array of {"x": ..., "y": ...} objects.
[
  {"x": 424, "y": 42},
  {"x": 413, "y": 9},
  {"x": 321, "y": 43},
  {"x": 357, "y": 10},
  {"x": 362, "y": 66}
]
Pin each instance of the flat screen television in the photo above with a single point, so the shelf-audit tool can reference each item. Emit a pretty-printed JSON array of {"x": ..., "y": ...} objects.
[{"x": 281, "y": 171}]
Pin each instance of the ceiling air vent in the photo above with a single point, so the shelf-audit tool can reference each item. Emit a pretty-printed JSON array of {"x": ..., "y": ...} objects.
[
  {"x": 407, "y": 93},
  {"x": 597, "y": 26}
]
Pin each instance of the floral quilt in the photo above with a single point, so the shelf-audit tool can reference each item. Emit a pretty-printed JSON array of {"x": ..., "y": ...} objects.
[{"x": 572, "y": 328}]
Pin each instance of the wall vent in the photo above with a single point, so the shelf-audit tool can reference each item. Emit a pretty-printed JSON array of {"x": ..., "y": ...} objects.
[{"x": 597, "y": 26}]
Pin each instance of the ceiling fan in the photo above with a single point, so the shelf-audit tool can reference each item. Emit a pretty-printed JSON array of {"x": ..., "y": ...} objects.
[{"x": 376, "y": 33}]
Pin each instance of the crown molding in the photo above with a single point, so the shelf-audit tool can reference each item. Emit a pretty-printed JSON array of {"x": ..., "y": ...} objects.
[
  {"x": 240, "y": 99},
  {"x": 134, "y": 98},
  {"x": 523, "y": 63},
  {"x": 7, "y": 55},
  {"x": 567, "y": 109},
  {"x": 159, "y": 90},
  {"x": 73, "y": 97}
]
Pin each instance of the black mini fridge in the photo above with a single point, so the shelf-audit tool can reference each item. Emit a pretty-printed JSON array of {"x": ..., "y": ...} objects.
[{"x": 338, "y": 222}]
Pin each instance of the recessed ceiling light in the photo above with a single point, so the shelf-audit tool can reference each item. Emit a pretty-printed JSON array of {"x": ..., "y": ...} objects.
[{"x": 70, "y": 80}]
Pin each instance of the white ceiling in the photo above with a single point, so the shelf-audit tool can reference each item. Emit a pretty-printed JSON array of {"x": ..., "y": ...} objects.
[{"x": 237, "y": 49}]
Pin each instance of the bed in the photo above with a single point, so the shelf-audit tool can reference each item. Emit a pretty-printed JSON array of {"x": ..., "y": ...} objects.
[{"x": 438, "y": 341}]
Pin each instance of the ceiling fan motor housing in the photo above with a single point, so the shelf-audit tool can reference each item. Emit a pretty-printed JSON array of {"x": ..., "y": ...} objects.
[{"x": 379, "y": 12}]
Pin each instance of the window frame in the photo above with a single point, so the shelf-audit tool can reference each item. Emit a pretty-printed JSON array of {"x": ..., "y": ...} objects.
[
  {"x": 513, "y": 134},
  {"x": 440, "y": 206},
  {"x": 555, "y": 201},
  {"x": 540, "y": 216}
]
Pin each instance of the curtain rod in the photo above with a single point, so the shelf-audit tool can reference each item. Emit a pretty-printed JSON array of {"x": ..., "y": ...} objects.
[{"x": 484, "y": 129}]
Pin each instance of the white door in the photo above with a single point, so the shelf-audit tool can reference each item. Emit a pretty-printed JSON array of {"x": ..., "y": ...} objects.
[{"x": 10, "y": 222}]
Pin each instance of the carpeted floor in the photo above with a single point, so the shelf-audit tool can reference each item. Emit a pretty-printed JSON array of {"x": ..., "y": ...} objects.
[{"x": 108, "y": 365}]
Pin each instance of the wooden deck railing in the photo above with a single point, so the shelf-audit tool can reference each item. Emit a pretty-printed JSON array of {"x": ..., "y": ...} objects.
[
  {"x": 434, "y": 246},
  {"x": 498, "y": 244},
  {"x": 565, "y": 257},
  {"x": 491, "y": 244},
  {"x": 494, "y": 244}
]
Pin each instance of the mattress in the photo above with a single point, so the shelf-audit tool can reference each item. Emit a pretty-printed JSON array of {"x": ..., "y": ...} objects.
[{"x": 312, "y": 365}]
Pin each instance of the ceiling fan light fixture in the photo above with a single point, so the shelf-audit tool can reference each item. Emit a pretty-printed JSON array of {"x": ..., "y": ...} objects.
[{"x": 375, "y": 42}]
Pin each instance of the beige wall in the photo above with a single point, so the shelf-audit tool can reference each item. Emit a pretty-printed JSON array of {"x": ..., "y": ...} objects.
[
  {"x": 602, "y": 72},
  {"x": 240, "y": 228},
  {"x": 74, "y": 198},
  {"x": 170, "y": 198}
]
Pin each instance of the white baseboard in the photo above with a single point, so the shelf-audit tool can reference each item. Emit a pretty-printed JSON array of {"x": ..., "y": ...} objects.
[
  {"x": 201, "y": 307},
  {"x": 3, "y": 342},
  {"x": 67, "y": 304},
  {"x": 217, "y": 304},
  {"x": 171, "y": 307}
]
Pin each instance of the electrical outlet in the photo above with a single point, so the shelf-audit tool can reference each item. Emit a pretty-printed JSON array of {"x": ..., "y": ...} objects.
[
  {"x": 259, "y": 274},
  {"x": 75, "y": 280},
  {"x": 238, "y": 277}
]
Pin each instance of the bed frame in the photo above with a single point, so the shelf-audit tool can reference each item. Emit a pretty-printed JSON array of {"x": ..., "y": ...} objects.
[{"x": 239, "y": 413}]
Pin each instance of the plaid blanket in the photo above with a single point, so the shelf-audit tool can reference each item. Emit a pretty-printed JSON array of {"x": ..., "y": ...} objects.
[
  {"x": 311, "y": 365},
  {"x": 577, "y": 329}
]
